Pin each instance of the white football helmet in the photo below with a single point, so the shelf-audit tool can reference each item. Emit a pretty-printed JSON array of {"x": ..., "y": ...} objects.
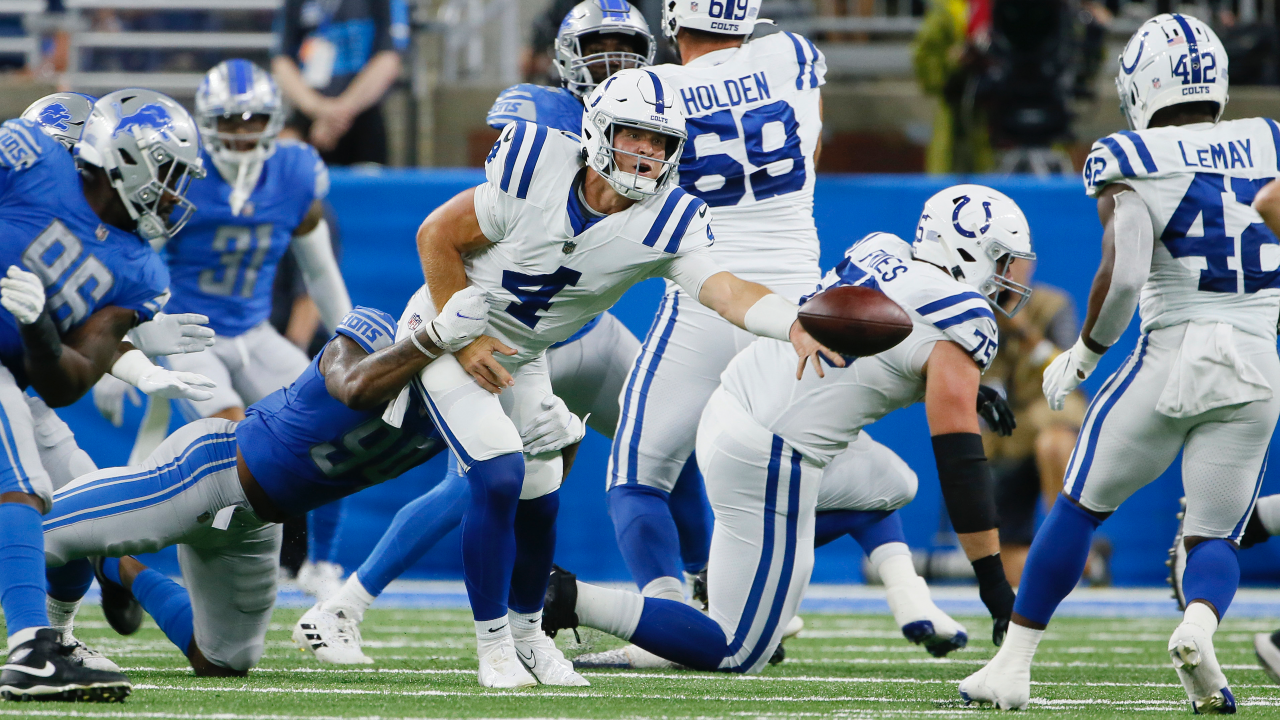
[
  {"x": 239, "y": 89},
  {"x": 600, "y": 17},
  {"x": 724, "y": 17},
  {"x": 1171, "y": 59},
  {"x": 61, "y": 115},
  {"x": 635, "y": 98},
  {"x": 150, "y": 149},
  {"x": 975, "y": 233}
]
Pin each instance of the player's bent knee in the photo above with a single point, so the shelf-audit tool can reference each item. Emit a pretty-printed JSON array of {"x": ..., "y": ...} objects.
[
  {"x": 906, "y": 485},
  {"x": 542, "y": 476},
  {"x": 237, "y": 666}
]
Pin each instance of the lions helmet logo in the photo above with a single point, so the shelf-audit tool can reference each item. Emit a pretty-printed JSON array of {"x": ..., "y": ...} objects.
[
  {"x": 55, "y": 116},
  {"x": 152, "y": 116}
]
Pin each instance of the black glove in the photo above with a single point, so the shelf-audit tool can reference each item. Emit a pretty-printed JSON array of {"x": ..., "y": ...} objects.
[
  {"x": 995, "y": 410},
  {"x": 996, "y": 594}
]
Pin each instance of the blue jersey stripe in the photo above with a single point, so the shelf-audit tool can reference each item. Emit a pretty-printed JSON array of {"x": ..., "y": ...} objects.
[
  {"x": 947, "y": 302},
  {"x": 761, "y": 578},
  {"x": 673, "y": 245},
  {"x": 965, "y": 316},
  {"x": 1125, "y": 168},
  {"x": 1096, "y": 431},
  {"x": 465, "y": 460},
  {"x": 1148, "y": 162},
  {"x": 513, "y": 152},
  {"x": 1275, "y": 139},
  {"x": 526, "y": 177},
  {"x": 813, "y": 64},
  {"x": 800, "y": 60},
  {"x": 633, "y": 454},
  {"x": 667, "y": 208},
  {"x": 1193, "y": 49}
]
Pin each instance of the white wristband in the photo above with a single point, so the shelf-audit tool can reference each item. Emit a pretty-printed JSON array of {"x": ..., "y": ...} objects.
[
  {"x": 771, "y": 317},
  {"x": 132, "y": 366},
  {"x": 416, "y": 343}
]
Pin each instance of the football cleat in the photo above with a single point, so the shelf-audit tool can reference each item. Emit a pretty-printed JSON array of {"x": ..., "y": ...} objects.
[
  {"x": 540, "y": 656},
  {"x": 1003, "y": 683},
  {"x": 123, "y": 611},
  {"x": 87, "y": 656},
  {"x": 500, "y": 668},
  {"x": 700, "y": 591},
  {"x": 1177, "y": 562},
  {"x": 42, "y": 669},
  {"x": 1267, "y": 647},
  {"x": 332, "y": 637},
  {"x": 559, "y": 608},
  {"x": 1191, "y": 650},
  {"x": 629, "y": 657},
  {"x": 319, "y": 579},
  {"x": 922, "y": 622}
]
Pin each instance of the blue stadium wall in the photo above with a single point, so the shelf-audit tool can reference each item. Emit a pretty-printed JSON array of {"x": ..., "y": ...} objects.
[{"x": 379, "y": 213}]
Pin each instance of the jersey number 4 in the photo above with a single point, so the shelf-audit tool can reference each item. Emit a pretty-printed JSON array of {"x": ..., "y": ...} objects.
[
  {"x": 1213, "y": 231},
  {"x": 769, "y": 138},
  {"x": 535, "y": 292}
]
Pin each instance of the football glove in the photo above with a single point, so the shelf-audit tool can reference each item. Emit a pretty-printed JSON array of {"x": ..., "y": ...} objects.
[
  {"x": 172, "y": 334},
  {"x": 995, "y": 411},
  {"x": 555, "y": 428},
  {"x": 463, "y": 319},
  {"x": 22, "y": 294},
  {"x": 1066, "y": 372}
]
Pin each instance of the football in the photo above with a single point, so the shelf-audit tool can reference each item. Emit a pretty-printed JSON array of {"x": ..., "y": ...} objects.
[{"x": 855, "y": 321}]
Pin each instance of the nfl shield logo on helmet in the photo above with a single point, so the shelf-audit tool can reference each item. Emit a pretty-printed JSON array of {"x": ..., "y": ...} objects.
[{"x": 693, "y": 6}]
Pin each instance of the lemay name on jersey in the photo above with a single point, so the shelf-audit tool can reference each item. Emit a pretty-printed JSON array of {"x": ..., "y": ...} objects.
[
  {"x": 546, "y": 275},
  {"x": 821, "y": 416},
  {"x": 1214, "y": 259}
]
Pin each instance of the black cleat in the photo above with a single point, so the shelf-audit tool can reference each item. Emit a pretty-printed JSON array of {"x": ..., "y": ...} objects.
[
  {"x": 43, "y": 669},
  {"x": 779, "y": 654},
  {"x": 700, "y": 589},
  {"x": 124, "y": 613},
  {"x": 561, "y": 602}
]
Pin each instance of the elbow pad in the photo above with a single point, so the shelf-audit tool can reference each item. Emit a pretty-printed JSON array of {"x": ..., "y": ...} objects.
[{"x": 967, "y": 487}]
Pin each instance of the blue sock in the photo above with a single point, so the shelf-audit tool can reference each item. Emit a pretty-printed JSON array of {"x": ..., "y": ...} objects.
[
  {"x": 323, "y": 525},
  {"x": 168, "y": 604},
  {"x": 692, "y": 514},
  {"x": 1212, "y": 574},
  {"x": 1056, "y": 560},
  {"x": 535, "y": 551},
  {"x": 678, "y": 632},
  {"x": 22, "y": 567},
  {"x": 111, "y": 568},
  {"x": 647, "y": 536},
  {"x": 415, "y": 530},
  {"x": 488, "y": 533},
  {"x": 871, "y": 528},
  {"x": 70, "y": 582}
]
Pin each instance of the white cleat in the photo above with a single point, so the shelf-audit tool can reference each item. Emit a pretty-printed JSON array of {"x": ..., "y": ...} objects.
[
  {"x": 1007, "y": 685},
  {"x": 541, "y": 657},
  {"x": 501, "y": 668},
  {"x": 319, "y": 579},
  {"x": 1191, "y": 650},
  {"x": 628, "y": 657},
  {"x": 922, "y": 622},
  {"x": 332, "y": 637},
  {"x": 87, "y": 656},
  {"x": 794, "y": 626}
]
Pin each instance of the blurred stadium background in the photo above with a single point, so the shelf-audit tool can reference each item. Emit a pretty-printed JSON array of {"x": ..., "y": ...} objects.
[{"x": 1014, "y": 91}]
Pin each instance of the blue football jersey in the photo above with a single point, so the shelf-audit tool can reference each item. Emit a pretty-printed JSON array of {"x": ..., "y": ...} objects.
[
  {"x": 306, "y": 449},
  {"x": 48, "y": 228},
  {"x": 223, "y": 265},
  {"x": 551, "y": 106}
]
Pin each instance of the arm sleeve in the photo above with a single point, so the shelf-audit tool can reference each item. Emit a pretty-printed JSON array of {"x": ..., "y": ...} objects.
[
  {"x": 321, "y": 275},
  {"x": 1133, "y": 242},
  {"x": 690, "y": 270}
]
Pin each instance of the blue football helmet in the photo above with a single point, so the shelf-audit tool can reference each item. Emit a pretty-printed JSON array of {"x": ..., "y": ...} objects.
[
  {"x": 61, "y": 115},
  {"x": 232, "y": 93},
  {"x": 580, "y": 73}
]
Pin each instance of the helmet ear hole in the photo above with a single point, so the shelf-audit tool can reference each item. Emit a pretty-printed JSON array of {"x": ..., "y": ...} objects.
[
  {"x": 965, "y": 254},
  {"x": 127, "y": 158}
]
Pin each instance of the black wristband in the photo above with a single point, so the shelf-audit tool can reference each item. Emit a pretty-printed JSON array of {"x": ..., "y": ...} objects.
[{"x": 967, "y": 487}]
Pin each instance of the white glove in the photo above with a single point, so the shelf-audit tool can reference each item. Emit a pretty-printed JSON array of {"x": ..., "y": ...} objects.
[
  {"x": 109, "y": 394},
  {"x": 463, "y": 319},
  {"x": 22, "y": 294},
  {"x": 168, "y": 384},
  {"x": 1066, "y": 372},
  {"x": 172, "y": 334},
  {"x": 555, "y": 428}
]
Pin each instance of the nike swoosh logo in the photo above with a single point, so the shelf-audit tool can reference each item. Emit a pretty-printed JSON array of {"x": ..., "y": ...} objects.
[
  {"x": 45, "y": 671},
  {"x": 465, "y": 317},
  {"x": 498, "y": 629},
  {"x": 530, "y": 660}
]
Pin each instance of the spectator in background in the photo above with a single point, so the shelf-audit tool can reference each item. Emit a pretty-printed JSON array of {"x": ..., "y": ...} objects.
[
  {"x": 946, "y": 55},
  {"x": 335, "y": 60}
]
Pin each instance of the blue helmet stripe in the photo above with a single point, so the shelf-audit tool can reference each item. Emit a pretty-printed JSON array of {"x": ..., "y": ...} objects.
[
  {"x": 659, "y": 100},
  {"x": 239, "y": 76},
  {"x": 1193, "y": 49}
]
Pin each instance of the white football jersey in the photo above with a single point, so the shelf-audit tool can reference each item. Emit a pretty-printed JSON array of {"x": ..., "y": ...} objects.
[
  {"x": 550, "y": 270},
  {"x": 1214, "y": 259},
  {"x": 754, "y": 119},
  {"x": 821, "y": 416}
]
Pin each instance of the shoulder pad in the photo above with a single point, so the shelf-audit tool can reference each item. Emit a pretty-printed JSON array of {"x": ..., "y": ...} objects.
[
  {"x": 1115, "y": 157},
  {"x": 678, "y": 222},
  {"x": 372, "y": 329},
  {"x": 811, "y": 64},
  {"x": 520, "y": 149},
  {"x": 304, "y": 163},
  {"x": 21, "y": 144}
]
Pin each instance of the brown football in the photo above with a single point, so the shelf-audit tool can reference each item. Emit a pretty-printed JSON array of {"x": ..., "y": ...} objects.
[{"x": 856, "y": 321}]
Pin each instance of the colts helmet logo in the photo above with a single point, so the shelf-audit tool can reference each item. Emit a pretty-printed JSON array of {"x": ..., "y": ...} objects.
[
  {"x": 151, "y": 115},
  {"x": 55, "y": 116},
  {"x": 955, "y": 218}
]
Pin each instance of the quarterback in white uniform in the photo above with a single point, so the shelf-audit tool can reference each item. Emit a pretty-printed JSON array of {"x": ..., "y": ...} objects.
[
  {"x": 753, "y": 112},
  {"x": 553, "y": 244},
  {"x": 766, "y": 437},
  {"x": 1202, "y": 378}
]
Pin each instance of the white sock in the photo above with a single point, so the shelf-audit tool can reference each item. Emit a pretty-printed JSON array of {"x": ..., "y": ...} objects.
[
  {"x": 664, "y": 588},
  {"x": 491, "y": 634},
  {"x": 1200, "y": 614},
  {"x": 62, "y": 615},
  {"x": 1268, "y": 509},
  {"x": 352, "y": 597},
  {"x": 893, "y": 564},
  {"x": 525, "y": 625},
  {"x": 21, "y": 636},
  {"x": 616, "y": 612},
  {"x": 1020, "y": 644}
]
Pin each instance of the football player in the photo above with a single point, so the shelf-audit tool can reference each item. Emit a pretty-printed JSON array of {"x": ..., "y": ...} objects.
[
  {"x": 1200, "y": 381},
  {"x": 767, "y": 434},
  {"x": 80, "y": 276}
]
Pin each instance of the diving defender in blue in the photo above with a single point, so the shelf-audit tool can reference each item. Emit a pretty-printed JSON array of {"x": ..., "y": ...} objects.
[
  {"x": 218, "y": 489},
  {"x": 79, "y": 276}
]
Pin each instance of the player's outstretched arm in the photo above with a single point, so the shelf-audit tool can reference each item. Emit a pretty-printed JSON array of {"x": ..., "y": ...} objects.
[{"x": 951, "y": 383}]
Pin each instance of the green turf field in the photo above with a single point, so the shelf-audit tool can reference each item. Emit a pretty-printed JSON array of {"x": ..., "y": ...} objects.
[{"x": 851, "y": 666}]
